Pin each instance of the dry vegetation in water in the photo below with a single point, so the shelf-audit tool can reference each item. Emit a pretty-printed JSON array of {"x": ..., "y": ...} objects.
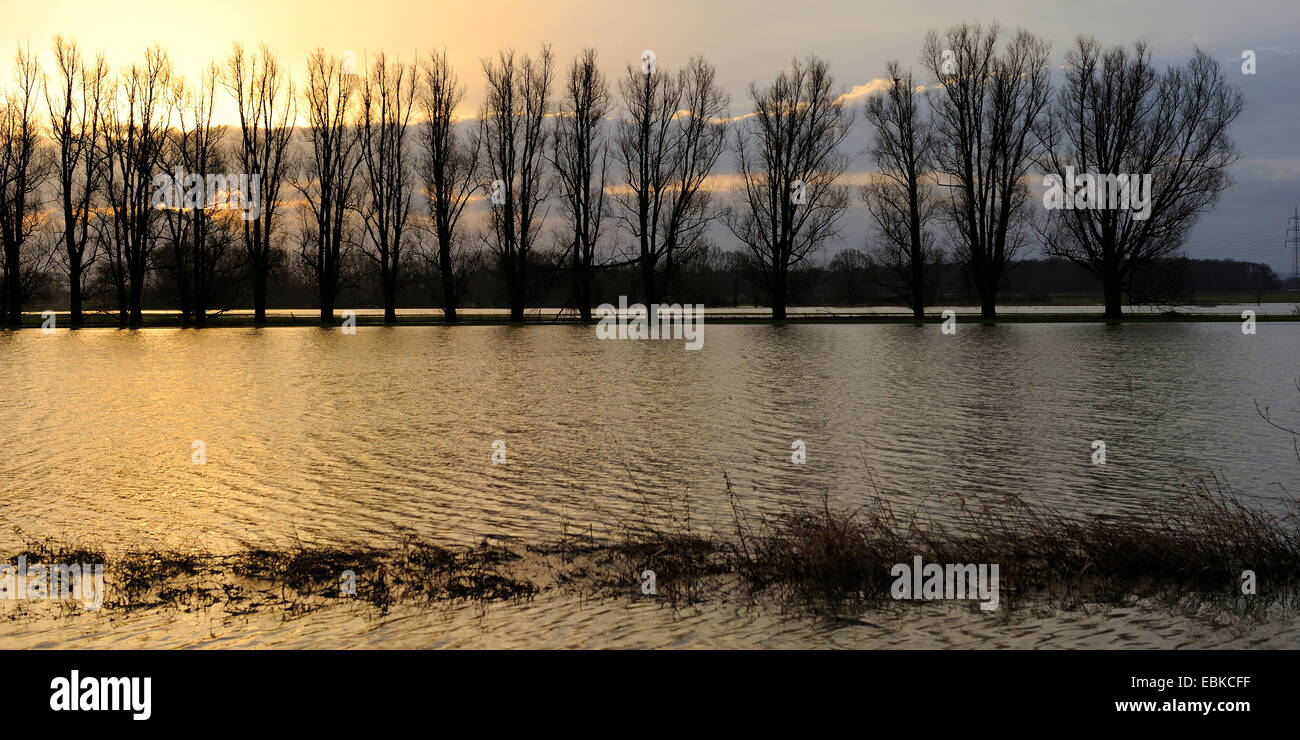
[{"x": 1190, "y": 550}]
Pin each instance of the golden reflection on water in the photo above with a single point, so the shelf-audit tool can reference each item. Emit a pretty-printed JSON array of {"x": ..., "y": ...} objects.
[{"x": 322, "y": 436}]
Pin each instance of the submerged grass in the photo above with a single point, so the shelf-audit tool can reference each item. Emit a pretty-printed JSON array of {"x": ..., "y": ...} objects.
[
  {"x": 1197, "y": 544},
  {"x": 295, "y": 579},
  {"x": 1190, "y": 550}
]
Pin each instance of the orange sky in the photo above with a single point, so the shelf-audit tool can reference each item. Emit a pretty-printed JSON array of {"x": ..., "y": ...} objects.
[
  {"x": 469, "y": 31},
  {"x": 747, "y": 40}
]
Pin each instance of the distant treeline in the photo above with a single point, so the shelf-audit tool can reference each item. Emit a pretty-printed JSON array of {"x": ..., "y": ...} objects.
[
  {"x": 722, "y": 279},
  {"x": 851, "y": 278},
  {"x": 364, "y": 184}
]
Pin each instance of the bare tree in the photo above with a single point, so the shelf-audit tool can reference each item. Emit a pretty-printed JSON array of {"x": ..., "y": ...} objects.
[
  {"x": 789, "y": 162},
  {"x": 672, "y": 135},
  {"x": 200, "y": 228},
  {"x": 329, "y": 176},
  {"x": 137, "y": 120},
  {"x": 512, "y": 129},
  {"x": 23, "y": 170},
  {"x": 75, "y": 105},
  {"x": 449, "y": 168},
  {"x": 109, "y": 224},
  {"x": 387, "y": 101},
  {"x": 581, "y": 158},
  {"x": 1115, "y": 120},
  {"x": 901, "y": 199},
  {"x": 985, "y": 114},
  {"x": 265, "y": 98}
]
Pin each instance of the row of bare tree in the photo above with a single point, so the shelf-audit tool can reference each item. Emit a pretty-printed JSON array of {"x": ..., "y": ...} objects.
[
  {"x": 376, "y": 161},
  {"x": 962, "y": 162}
]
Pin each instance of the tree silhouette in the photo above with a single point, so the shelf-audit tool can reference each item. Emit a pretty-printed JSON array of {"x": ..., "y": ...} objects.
[
  {"x": 986, "y": 110},
  {"x": 264, "y": 96},
  {"x": 901, "y": 200},
  {"x": 328, "y": 178},
  {"x": 512, "y": 129},
  {"x": 581, "y": 159},
  {"x": 671, "y": 136},
  {"x": 449, "y": 168},
  {"x": 387, "y": 101},
  {"x": 789, "y": 160},
  {"x": 1118, "y": 115}
]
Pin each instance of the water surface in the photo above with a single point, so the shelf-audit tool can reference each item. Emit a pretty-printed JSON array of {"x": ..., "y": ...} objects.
[{"x": 320, "y": 435}]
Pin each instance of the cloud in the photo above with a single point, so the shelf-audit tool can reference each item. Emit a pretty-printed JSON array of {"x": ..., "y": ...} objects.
[{"x": 878, "y": 86}]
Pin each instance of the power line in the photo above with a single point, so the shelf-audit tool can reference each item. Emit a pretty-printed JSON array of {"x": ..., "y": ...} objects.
[
  {"x": 1293, "y": 240},
  {"x": 1248, "y": 233},
  {"x": 1261, "y": 249}
]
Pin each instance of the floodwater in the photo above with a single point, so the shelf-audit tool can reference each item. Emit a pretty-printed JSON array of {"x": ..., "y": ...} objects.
[{"x": 318, "y": 436}]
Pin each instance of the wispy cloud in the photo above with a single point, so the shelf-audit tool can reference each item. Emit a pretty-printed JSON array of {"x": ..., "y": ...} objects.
[{"x": 877, "y": 86}]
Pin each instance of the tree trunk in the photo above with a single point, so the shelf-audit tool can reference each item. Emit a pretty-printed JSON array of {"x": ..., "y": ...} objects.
[
  {"x": 581, "y": 280},
  {"x": 74, "y": 290},
  {"x": 259, "y": 292},
  {"x": 14, "y": 294},
  {"x": 1114, "y": 295},
  {"x": 918, "y": 251},
  {"x": 327, "y": 297},
  {"x": 648, "y": 288},
  {"x": 186, "y": 298},
  {"x": 136, "y": 302},
  {"x": 584, "y": 295},
  {"x": 516, "y": 289},
  {"x": 988, "y": 298},
  {"x": 76, "y": 317},
  {"x": 778, "y": 296},
  {"x": 123, "y": 307},
  {"x": 918, "y": 285},
  {"x": 448, "y": 278},
  {"x": 390, "y": 300},
  {"x": 388, "y": 287},
  {"x": 988, "y": 307}
]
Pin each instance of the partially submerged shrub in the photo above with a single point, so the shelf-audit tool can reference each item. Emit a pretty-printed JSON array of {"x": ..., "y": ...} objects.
[{"x": 1193, "y": 546}]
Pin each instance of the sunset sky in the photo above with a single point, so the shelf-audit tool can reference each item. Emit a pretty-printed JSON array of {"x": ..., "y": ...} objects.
[{"x": 747, "y": 41}]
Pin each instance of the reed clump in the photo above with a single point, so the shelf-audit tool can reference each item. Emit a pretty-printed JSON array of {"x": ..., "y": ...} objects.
[
  {"x": 296, "y": 579},
  {"x": 1199, "y": 542},
  {"x": 1191, "y": 548}
]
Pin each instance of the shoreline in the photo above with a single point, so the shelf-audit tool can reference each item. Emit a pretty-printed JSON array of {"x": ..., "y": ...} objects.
[{"x": 167, "y": 321}]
